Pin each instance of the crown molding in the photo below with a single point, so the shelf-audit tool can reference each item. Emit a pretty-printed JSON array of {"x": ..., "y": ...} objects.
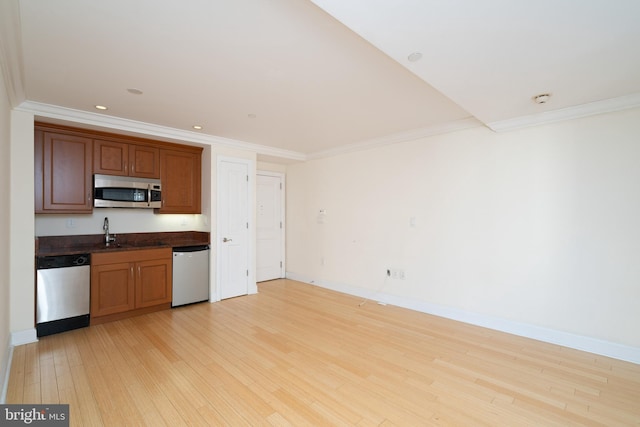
[
  {"x": 467, "y": 123},
  {"x": 10, "y": 51},
  {"x": 105, "y": 122},
  {"x": 101, "y": 121},
  {"x": 592, "y": 108}
]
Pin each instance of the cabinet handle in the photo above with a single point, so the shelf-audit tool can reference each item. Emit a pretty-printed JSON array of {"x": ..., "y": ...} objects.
[
  {"x": 133, "y": 167},
  {"x": 125, "y": 167},
  {"x": 132, "y": 272}
]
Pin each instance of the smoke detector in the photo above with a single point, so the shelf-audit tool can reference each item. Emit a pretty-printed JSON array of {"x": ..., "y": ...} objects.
[{"x": 543, "y": 98}]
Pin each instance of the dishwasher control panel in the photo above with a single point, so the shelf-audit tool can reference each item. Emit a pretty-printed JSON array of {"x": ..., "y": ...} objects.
[{"x": 61, "y": 261}]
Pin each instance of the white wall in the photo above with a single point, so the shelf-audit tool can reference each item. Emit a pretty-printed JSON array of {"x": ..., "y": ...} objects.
[
  {"x": 537, "y": 227},
  {"x": 120, "y": 221},
  {"x": 5, "y": 143},
  {"x": 21, "y": 206},
  {"x": 272, "y": 167}
]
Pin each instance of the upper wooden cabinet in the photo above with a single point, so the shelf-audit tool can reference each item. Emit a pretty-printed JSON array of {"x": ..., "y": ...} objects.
[
  {"x": 66, "y": 159},
  {"x": 180, "y": 176},
  {"x": 119, "y": 158},
  {"x": 63, "y": 173}
]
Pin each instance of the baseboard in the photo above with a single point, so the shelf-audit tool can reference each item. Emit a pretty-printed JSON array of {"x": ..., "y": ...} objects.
[
  {"x": 5, "y": 368},
  {"x": 565, "y": 339},
  {"x": 26, "y": 336}
]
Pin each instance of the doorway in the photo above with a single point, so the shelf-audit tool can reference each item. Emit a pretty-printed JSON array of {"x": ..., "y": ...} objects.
[{"x": 270, "y": 231}]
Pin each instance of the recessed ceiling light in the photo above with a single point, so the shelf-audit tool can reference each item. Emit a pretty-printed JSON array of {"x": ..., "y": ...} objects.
[
  {"x": 134, "y": 91},
  {"x": 101, "y": 107},
  {"x": 251, "y": 116},
  {"x": 542, "y": 98},
  {"x": 415, "y": 56},
  {"x": 197, "y": 127}
]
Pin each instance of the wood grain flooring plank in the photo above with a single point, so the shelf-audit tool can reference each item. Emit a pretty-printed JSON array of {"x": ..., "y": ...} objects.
[
  {"x": 296, "y": 354},
  {"x": 15, "y": 387}
]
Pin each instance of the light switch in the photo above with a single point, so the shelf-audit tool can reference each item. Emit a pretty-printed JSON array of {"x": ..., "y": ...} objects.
[{"x": 322, "y": 216}]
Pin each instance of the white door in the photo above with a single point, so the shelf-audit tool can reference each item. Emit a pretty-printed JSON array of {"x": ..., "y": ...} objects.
[
  {"x": 233, "y": 228},
  {"x": 270, "y": 226}
]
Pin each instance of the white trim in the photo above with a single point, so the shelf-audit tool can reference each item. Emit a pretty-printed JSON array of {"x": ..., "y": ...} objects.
[
  {"x": 578, "y": 342},
  {"x": 410, "y": 135},
  {"x": 283, "y": 216},
  {"x": 125, "y": 125},
  {"x": 26, "y": 336},
  {"x": 102, "y": 121},
  {"x": 5, "y": 370},
  {"x": 584, "y": 110}
]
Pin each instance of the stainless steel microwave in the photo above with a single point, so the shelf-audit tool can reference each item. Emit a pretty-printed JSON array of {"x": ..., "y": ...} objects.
[{"x": 126, "y": 192}]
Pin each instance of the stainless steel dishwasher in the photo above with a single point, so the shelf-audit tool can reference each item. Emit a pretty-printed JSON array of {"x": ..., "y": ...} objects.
[
  {"x": 190, "y": 274},
  {"x": 63, "y": 287}
]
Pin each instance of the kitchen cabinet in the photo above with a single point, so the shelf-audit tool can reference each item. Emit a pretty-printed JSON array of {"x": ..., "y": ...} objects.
[
  {"x": 112, "y": 288},
  {"x": 66, "y": 159},
  {"x": 180, "y": 174},
  {"x": 120, "y": 158},
  {"x": 63, "y": 172},
  {"x": 128, "y": 283}
]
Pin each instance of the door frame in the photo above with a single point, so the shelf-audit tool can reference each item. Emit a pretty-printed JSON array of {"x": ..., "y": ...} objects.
[
  {"x": 283, "y": 217},
  {"x": 252, "y": 287}
]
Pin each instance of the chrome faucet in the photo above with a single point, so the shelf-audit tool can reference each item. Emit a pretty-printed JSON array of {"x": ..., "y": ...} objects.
[{"x": 107, "y": 237}]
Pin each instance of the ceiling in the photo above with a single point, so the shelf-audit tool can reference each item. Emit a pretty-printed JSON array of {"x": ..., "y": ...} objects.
[{"x": 300, "y": 79}]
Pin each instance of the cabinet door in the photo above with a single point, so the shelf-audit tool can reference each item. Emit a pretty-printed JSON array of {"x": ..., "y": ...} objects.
[
  {"x": 144, "y": 161},
  {"x": 66, "y": 176},
  {"x": 112, "y": 288},
  {"x": 38, "y": 167},
  {"x": 110, "y": 158},
  {"x": 180, "y": 176},
  {"x": 153, "y": 282}
]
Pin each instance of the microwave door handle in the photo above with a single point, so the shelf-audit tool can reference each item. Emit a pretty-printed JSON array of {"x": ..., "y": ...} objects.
[{"x": 149, "y": 195}]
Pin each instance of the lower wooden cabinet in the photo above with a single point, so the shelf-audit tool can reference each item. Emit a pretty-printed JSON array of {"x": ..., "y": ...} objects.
[
  {"x": 112, "y": 288},
  {"x": 127, "y": 283}
]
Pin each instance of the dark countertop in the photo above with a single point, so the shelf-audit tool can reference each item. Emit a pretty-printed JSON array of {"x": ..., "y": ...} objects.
[{"x": 93, "y": 243}]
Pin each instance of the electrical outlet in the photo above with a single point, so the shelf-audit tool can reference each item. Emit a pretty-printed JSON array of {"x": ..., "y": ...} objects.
[{"x": 401, "y": 274}]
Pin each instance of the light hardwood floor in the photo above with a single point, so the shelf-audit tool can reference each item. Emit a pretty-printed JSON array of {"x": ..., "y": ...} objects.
[{"x": 295, "y": 354}]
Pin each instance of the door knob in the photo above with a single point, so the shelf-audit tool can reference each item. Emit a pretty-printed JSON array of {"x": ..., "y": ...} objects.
[{"x": 225, "y": 240}]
